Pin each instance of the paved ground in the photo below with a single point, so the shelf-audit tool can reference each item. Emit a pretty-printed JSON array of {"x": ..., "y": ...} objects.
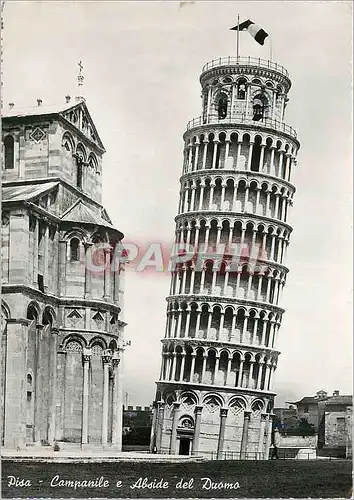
[{"x": 48, "y": 455}]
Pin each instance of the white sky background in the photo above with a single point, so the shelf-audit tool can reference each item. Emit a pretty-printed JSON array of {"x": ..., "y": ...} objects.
[{"x": 142, "y": 63}]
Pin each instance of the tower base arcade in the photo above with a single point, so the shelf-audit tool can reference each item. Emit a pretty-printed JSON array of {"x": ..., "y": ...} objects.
[{"x": 222, "y": 425}]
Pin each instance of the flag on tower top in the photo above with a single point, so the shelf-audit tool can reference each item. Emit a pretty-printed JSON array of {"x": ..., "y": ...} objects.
[{"x": 258, "y": 33}]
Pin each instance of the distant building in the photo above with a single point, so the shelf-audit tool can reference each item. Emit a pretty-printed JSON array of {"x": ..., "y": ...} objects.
[
  {"x": 286, "y": 417},
  {"x": 331, "y": 417},
  {"x": 311, "y": 408},
  {"x": 137, "y": 428},
  {"x": 138, "y": 416},
  {"x": 338, "y": 421}
]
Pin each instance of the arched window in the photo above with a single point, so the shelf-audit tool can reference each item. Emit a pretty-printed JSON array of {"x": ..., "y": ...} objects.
[
  {"x": 80, "y": 159},
  {"x": 68, "y": 143},
  {"x": 92, "y": 162},
  {"x": 222, "y": 106},
  {"x": 29, "y": 388},
  {"x": 9, "y": 152},
  {"x": 79, "y": 172},
  {"x": 74, "y": 249},
  {"x": 241, "y": 89},
  {"x": 259, "y": 106}
]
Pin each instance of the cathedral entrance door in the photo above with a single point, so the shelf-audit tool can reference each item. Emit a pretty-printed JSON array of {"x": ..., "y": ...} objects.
[{"x": 184, "y": 446}]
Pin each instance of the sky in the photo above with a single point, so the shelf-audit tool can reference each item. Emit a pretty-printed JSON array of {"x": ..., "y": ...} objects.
[{"x": 142, "y": 62}]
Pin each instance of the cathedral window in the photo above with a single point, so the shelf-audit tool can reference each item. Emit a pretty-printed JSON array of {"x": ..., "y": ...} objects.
[
  {"x": 40, "y": 281},
  {"x": 9, "y": 152},
  {"x": 74, "y": 249},
  {"x": 92, "y": 162},
  {"x": 73, "y": 346},
  {"x": 80, "y": 159},
  {"x": 67, "y": 143},
  {"x": 79, "y": 172}
]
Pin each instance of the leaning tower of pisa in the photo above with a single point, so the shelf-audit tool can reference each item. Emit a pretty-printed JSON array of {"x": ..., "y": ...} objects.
[{"x": 215, "y": 392}]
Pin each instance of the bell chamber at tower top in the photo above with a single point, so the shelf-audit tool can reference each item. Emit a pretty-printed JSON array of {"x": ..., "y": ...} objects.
[{"x": 244, "y": 90}]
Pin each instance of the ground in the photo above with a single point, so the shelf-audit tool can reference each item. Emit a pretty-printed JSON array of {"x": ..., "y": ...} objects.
[{"x": 272, "y": 479}]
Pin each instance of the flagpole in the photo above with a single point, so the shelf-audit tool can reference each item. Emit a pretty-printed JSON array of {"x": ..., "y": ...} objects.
[
  {"x": 238, "y": 39},
  {"x": 270, "y": 48}
]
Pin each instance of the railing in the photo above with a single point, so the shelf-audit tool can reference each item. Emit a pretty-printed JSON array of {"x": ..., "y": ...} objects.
[
  {"x": 282, "y": 455},
  {"x": 237, "y": 118},
  {"x": 245, "y": 61}
]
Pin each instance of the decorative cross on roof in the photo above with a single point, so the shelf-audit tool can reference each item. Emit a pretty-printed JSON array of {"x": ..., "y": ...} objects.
[{"x": 80, "y": 77}]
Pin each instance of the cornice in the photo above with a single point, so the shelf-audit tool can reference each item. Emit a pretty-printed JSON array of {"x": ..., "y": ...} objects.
[
  {"x": 245, "y": 69},
  {"x": 33, "y": 293},
  {"x": 235, "y": 215},
  {"x": 238, "y": 174},
  {"x": 219, "y": 388},
  {"x": 194, "y": 342},
  {"x": 226, "y": 300},
  {"x": 239, "y": 127}
]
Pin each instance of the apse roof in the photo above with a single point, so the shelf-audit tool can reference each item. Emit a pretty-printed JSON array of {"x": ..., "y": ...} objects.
[
  {"x": 82, "y": 214},
  {"x": 26, "y": 192}
]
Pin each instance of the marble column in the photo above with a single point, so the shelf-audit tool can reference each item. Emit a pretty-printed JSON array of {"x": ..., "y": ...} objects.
[
  {"x": 239, "y": 144},
  {"x": 116, "y": 399},
  {"x": 173, "y": 441},
  {"x": 88, "y": 273},
  {"x": 250, "y": 151},
  {"x": 153, "y": 426},
  {"x": 191, "y": 376},
  {"x": 46, "y": 258},
  {"x": 53, "y": 383},
  {"x": 223, "y": 416},
  {"x": 244, "y": 440},
  {"x": 205, "y": 149},
  {"x": 106, "y": 359},
  {"x": 269, "y": 435},
  {"x": 203, "y": 367},
  {"x": 198, "y": 417},
  {"x": 107, "y": 274},
  {"x": 216, "y": 144},
  {"x": 86, "y": 356},
  {"x": 182, "y": 367},
  {"x": 62, "y": 267},
  {"x": 261, "y": 436},
  {"x": 197, "y": 326},
  {"x": 161, "y": 408},
  {"x": 35, "y": 253},
  {"x": 39, "y": 382},
  {"x": 200, "y": 207}
]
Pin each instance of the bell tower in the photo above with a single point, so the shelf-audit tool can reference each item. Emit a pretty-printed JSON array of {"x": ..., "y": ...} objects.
[{"x": 215, "y": 392}]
